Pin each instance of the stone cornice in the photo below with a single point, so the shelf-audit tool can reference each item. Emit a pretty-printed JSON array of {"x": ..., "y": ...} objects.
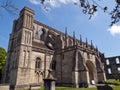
[
  {"x": 92, "y": 51},
  {"x": 42, "y": 50}
]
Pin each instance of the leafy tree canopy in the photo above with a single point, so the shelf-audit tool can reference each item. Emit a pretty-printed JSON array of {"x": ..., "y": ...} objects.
[{"x": 2, "y": 57}]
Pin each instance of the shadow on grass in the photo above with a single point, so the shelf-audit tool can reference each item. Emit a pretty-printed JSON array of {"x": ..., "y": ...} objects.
[{"x": 105, "y": 87}]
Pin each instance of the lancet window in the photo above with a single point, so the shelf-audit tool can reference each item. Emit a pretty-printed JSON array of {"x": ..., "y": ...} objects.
[{"x": 37, "y": 63}]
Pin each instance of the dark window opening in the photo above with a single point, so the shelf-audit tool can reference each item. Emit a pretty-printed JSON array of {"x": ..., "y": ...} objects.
[
  {"x": 37, "y": 63},
  {"x": 54, "y": 65}
]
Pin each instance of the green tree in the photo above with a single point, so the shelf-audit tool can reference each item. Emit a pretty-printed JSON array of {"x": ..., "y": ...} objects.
[{"x": 2, "y": 59}]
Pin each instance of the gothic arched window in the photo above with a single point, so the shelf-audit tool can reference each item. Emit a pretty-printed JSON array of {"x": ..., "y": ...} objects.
[{"x": 37, "y": 63}]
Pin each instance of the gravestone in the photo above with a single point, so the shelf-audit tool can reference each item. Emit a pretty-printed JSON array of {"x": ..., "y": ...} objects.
[{"x": 49, "y": 82}]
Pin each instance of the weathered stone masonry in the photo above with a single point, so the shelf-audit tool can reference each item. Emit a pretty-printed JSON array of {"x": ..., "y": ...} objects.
[{"x": 112, "y": 67}]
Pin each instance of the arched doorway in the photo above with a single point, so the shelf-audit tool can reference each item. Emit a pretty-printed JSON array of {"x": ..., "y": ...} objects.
[{"x": 91, "y": 71}]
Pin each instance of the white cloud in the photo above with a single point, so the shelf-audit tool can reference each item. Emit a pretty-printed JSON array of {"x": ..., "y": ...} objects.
[
  {"x": 54, "y": 3},
  {"x": 65, "y": 1},
  {"x": 36, "y": 2},
  {"x": 115, "y": 29}
]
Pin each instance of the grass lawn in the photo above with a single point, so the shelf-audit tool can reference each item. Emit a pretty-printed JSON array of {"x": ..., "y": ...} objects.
[
  {"x": 113, "y": 81},
  {"x": 70, "y": 88},
  {"x": 116, "y": 87}
]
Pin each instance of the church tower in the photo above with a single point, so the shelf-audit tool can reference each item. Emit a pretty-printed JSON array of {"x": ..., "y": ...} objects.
[
  {"x": 19, "y": 50},
  {"x": 25, "y": 47}
]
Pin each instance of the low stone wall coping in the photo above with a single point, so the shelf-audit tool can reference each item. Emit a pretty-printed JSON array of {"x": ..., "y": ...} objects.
[{"x": 4, "y": 86}]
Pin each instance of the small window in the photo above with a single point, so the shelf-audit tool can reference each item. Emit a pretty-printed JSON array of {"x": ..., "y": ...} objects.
[
  {"x": 37, "y": 63},
  {"x": 118, "y": 69},
  {"x": 109, "y": 71},
  {"x": 117, "y": 61},
  {"x": 107, "y": 62}
]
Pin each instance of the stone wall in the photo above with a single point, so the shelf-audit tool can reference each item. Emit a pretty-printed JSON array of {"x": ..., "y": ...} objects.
[{"x": 112, "y": 67}]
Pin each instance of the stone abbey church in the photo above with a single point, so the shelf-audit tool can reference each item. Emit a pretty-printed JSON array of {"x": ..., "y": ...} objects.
[{"x": 34, "y": 48}]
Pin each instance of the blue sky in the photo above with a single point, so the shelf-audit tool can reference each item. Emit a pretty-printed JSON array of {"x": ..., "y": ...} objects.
[{"x": 63, "y": 13}]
